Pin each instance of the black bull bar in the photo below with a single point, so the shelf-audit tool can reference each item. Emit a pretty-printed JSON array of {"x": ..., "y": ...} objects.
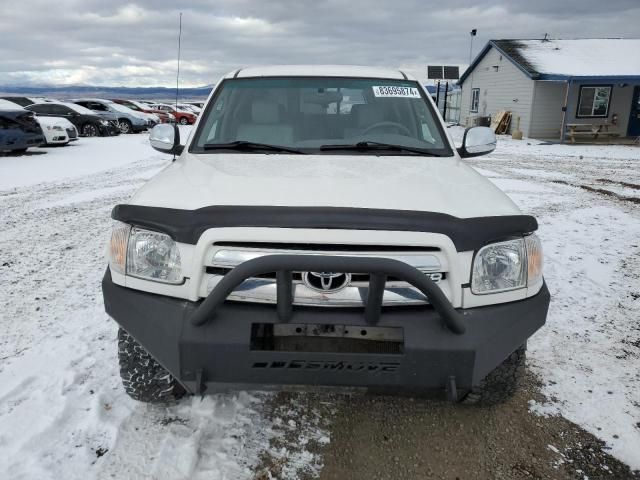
[{"x": 283, "y": 265}]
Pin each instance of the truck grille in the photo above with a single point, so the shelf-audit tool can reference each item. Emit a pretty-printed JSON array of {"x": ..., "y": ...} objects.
[{"x": 326, "y": 289}]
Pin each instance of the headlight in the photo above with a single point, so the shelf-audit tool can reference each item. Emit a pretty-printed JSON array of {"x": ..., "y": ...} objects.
[
  {"x": 57, "y": 128},
  {"x": 500, "y": 267},
  {"x": 144, "y": 254},
  {"x": 505, "y": 266},
  {"x": 153, "y": 256}
]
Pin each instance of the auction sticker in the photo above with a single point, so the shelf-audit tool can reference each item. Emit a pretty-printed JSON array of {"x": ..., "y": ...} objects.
[{"x": 395, "y": 91}]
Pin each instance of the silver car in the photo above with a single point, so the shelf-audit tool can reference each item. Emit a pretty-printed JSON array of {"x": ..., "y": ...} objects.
[{"x": 129, "y": 120}]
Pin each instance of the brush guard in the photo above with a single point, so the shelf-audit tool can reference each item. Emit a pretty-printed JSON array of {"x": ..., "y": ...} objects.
[{"x": 283, "y": 266}]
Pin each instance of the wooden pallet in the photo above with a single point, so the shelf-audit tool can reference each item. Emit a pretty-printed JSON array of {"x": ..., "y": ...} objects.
[{"x": 500, "y": 122}]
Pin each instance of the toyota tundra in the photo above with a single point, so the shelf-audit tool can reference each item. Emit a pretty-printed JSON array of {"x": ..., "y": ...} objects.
[{"x": 319, "y": 227}]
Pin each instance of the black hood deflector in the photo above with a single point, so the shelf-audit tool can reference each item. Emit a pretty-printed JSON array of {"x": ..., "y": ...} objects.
[{"x": 186, "y": 226}]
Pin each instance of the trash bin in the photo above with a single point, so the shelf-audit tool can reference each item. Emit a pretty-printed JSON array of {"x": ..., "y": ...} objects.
[{"x": 484, "y": 121}]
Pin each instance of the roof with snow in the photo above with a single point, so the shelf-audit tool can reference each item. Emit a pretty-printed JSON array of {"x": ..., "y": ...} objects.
[
  {"x": 7, "y": 105},
  {"x": 587, "y": 58}
]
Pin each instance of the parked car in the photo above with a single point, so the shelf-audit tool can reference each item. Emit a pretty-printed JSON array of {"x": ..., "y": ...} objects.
[
  {"x": 200, "y": 105},
  {"x": 297, "y": 242},
  {"x": 189, "y": 108},
  {"x": 88, "y": 123},
  {"x": 21, "y": 101},
  {"x": 57, "y": 130},
  {"x": 182, "y": 116},
  {"x": 129, "y": 120},
  {"x": 157, "y": 117},
  {"x": 19, "y": 130},
  {"x": 152, "y": 118}
]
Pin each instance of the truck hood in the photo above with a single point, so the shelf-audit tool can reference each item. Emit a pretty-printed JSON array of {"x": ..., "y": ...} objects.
[{"x": 444, "y": 185}]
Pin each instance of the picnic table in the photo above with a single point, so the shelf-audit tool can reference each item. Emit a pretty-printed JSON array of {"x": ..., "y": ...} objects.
[{"x": 589, "y": 130}]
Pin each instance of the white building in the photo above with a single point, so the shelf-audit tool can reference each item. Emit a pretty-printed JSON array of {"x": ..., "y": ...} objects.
[{"x": 550, "y": 84}]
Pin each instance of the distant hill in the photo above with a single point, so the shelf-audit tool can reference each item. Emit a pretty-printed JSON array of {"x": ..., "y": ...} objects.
[{"x": 113, "y": 92}]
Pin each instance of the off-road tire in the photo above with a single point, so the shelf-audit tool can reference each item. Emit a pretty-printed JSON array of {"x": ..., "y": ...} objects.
[
  {"x": 501, "y": 383},
  {"x": 143, "y": 378}
]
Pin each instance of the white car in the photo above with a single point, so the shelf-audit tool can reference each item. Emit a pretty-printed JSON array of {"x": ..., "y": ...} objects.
[
  {"x": 57, "y": 130},
  {"x": 320, "y": 227}
]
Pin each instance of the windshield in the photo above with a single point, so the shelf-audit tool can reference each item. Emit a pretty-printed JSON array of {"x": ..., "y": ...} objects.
[
  {"x": 310, "y": 113},
  {"x": 136, "y": 105},
  {"x": 79, "y": 108},
  {"x": 120, "y": 108}
]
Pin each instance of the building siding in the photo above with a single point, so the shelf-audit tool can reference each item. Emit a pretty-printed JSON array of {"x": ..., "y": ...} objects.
[
  {"x": 508, "y": 88},
  {"x": 546, "y": 112}
]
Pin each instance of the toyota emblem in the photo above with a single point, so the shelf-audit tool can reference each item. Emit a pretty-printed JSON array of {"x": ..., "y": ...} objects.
[{"x": 326, "y": 282}]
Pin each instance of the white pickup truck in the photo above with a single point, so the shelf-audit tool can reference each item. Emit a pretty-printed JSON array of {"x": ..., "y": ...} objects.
[{"x": 319, "y": 227}]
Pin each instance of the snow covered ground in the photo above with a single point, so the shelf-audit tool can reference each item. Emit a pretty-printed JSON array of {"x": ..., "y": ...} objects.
[
  {"x": 63, "y": 413},
  {"x": 588, "y": 355}
]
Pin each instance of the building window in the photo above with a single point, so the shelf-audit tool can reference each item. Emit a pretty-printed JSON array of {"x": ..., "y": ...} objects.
[
  {"x": 475, "y": 99},
  {"x": 594, "y": 101}
]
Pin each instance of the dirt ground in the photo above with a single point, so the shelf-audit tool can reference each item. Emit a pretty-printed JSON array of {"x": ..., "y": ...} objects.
[{"x": 400, "y": 438}]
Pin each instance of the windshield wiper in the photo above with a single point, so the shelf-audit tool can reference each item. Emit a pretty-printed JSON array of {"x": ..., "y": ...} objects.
[
  {"x": 249, "y": 146},
  {"x": 369, "y": 145}
]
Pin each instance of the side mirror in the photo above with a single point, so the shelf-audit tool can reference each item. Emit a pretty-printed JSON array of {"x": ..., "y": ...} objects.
[
  {"x": 477, "y": 141},
  {"x": 166, "y": 139}
]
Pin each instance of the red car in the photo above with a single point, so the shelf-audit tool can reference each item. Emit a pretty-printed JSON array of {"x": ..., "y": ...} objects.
[
  {"x": 182, "y": 117},
  {"x": 145, "y": 108}
]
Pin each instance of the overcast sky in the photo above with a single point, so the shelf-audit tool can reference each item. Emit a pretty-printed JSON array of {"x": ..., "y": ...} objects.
[{"x": 120, "y": 43}]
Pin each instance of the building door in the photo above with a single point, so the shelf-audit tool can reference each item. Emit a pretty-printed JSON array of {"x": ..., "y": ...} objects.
[{"x": 634, "y": 118}]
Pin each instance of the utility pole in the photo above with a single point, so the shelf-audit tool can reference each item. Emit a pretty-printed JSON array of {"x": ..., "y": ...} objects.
[
  {"x": 473, "y": 33},
  {"x": 179, "y": 48}
]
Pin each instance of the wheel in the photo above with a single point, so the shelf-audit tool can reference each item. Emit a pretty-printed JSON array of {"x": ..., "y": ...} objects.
[
  {"x": 125, "y": 126},
  {"x": 500, "y": 384},
  {"x": 143, "y": 378},
  {"x": 89, "y": 130},
  {"x": 183, "y": 121}
]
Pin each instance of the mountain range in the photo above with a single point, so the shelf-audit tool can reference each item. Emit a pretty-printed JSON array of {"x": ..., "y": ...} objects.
[{"x": 108, "y": 92}]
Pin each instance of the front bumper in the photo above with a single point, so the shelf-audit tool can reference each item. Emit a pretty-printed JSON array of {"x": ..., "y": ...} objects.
[
  {"x": 140, "y": 127},
  {"x": 219, "y": 354},
  {"x": 109, "y": 130}
]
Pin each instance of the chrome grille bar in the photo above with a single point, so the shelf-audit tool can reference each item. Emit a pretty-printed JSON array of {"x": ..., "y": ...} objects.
[{"x": 227, "y": 258}]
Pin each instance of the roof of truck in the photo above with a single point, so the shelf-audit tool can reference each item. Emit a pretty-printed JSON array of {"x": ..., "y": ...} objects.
[{"x": 318, "y": 71}]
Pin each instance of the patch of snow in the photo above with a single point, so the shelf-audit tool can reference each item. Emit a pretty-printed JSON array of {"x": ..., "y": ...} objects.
[
  {"x": 8, "y": 105},
  {"x": 86, "y": 156},
  {"x": 616, "y": 56},
  {"x": 89, "y": 195}
]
